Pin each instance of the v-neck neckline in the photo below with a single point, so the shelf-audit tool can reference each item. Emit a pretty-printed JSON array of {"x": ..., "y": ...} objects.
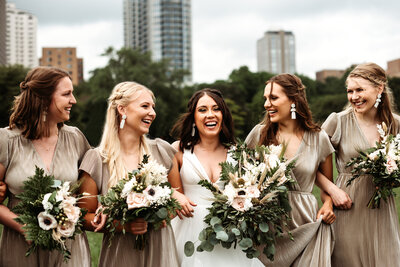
[
  {"x": 204, "y": 170},
  {"x": 299, "y": 147},
  {"x": 361, "y": 131},
  {"x": 41, "y": 161}
]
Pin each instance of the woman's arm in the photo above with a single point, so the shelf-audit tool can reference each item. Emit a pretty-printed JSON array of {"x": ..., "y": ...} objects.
[
  {"x": 6, "y": 215},
  {"x": 327, "y": 208},
  {"x": 325, "y": 181}
]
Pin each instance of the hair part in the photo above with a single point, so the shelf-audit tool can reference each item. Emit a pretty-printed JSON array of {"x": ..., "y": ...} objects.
[
  {"x": 295, "y": 91},
  {"x": 110, "y": 145},
  {"x": 182, "y": 129},
  {"x": 31, "y": 105},
  {"x": 377, "y": 77}
]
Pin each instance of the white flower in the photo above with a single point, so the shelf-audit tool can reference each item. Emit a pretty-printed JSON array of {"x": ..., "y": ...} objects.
[
  {"x": 380, "y": 130},
  {"x": 276, "y": 150},
  {"x": 66, "y": 229},
  {"x": 155, "y": 173},
  {"x": 374, "y": 155},
  {"x": 46, "y": 221},
  {"x": 272, "y": 161},
  {"x": 230, "y": 192},
  {"x": 63, "y": 192},
  {"x": 70, "y": 210},
  {"x": 45, "y": 202},
  {"x": 157, "y": 194},
  {"x": 136, "y": 200},
  {"x": 253, "y": 192},
  {"x": 127, "y": 187},
  {"x": 241, "y": 203}
]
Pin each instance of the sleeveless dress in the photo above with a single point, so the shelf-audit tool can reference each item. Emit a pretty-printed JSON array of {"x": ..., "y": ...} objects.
[
  {"x": 313, "y": 240},
  {"x": 160, "y": 249},
  {"x": 19, "y": 157},
  {"x": 188, "y": 229},
  {"x": 364, "y": 237}
]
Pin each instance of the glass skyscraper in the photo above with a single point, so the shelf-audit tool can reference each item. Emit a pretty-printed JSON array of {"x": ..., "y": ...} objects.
[{"x": 162, "y": 27}]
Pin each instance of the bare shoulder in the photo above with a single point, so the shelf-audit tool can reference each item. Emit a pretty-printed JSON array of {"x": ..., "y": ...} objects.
[{"x": 176, "y": 145}]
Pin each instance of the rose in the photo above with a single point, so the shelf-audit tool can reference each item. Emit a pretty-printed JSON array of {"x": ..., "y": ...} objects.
[
  {"x": 253, "y": 192},
  {"x": 66, "y": 229},
  {"x": 391, "y": 165},
  {"x": 241, "y": 203},
  {"x": 230, "y": 192},
  {"x": 136, "y": 200},
  {"x": 272, "y": 161},
  {"x": 46, "y": 221}
]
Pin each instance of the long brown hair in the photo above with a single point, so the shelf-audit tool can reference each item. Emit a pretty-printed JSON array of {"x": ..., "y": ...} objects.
[
  {"x": 31, "y": 105},
  {"x": 295, "y": 91},
  {"x": 374, "y": 74},
  {"x": 182, "y": 129}
]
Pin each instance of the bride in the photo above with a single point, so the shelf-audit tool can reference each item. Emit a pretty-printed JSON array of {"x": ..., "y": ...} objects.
[{"x": 205, "y": 132}]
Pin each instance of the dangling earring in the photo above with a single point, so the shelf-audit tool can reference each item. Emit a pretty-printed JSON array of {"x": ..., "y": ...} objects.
[
  {"x": 44, "y": 116},
  {"x": 378, "y": 100},
  {"x": 121, "y": 125},
  {"x": 293, "y": 110},
  {"x": 193, "y": 129}
]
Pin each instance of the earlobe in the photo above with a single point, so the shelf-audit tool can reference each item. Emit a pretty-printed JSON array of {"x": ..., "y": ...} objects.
[{"x": 121, "y": 110}]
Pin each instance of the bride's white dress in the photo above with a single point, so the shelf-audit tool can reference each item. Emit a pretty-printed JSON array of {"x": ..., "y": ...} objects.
[{"x": 188, "y": 229}]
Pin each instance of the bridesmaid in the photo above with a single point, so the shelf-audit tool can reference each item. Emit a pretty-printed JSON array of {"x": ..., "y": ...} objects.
[
  {"x": 37, "y": 136},
  {"x": 364, "y": 237},
  {"x": 288, "y": 121},
  {"x": 205, "y": 132},
  {"x": 129, "y": 116}
]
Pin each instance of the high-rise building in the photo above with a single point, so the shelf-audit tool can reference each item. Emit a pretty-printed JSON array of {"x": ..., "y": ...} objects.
[
  {"x": 276, "y": 52},
  {"x": 64, "y": 58},
  {"x": 162, "y": 27},
  {"x": 393, "y": 68},
  {"x": 3, "y": 36},
  {"x": 21, "y": 37}
]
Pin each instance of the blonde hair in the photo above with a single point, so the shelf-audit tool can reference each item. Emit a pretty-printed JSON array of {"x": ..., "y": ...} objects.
[
  {"x": 110, "y": 146},
  {"x": 374, "y": 74}
]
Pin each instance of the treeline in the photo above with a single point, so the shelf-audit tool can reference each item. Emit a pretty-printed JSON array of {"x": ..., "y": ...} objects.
[{"x": 243, "y": 91}]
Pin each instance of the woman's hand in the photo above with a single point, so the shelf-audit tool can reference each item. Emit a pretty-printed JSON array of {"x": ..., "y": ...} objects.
[
  {"x": 340, "y": 199},
  {"x": 136, "y": 227},
  {"x": 326, "y": 211},
  {"x": 3, "y": 191},
  {"x": 99, "y": 220},
  {"x": 185, "y": 203}
]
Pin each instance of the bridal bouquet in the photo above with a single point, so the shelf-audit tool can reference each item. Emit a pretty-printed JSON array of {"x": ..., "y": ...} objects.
[
  {"x": 382, "y": 163},
  {"x": 48, "y": 210},
  {"x": 145, "y": 193},
  {"x": 252, "y": 208}
]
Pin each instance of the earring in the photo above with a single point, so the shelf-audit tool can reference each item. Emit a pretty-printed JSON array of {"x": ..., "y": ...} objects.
[
  {"x": 378, "y": 100},
  {"x": 293, "y": 110},
  {"x": 193, "y": 129},
  {"x": 121, "y": 125},
  {"x": 44, "y": 116}
]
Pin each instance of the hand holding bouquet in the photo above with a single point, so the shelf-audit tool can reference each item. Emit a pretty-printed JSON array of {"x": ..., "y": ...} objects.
[
  {"x": 49, "y": 213},
  {"x": 146, "y": 194},
  {"x": 252, "y": 208},
  {"x": 381, "y": 162}
]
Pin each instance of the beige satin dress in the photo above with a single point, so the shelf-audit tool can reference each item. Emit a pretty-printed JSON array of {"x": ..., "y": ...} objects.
[
  {"x": 161, "y": 248},
  {"x": 364, "y": 237},
  {"x": 313, "y": 240},
  {"x": 19, "y": 157}
]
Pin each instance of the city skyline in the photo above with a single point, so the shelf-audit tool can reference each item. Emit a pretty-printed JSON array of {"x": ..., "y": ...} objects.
[{"x": 224, "y": 33}]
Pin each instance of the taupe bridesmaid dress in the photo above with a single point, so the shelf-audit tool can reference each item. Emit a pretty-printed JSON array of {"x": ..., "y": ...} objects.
[
  {"x": 364, "y": 237},
  {"x": 313, "y": 240},
  {"x": 19, "y": 157},
  {"x": 161, "y": 248}
]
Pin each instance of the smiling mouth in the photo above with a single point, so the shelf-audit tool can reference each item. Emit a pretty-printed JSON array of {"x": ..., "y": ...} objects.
[
  {"x": 271, "y": 112},
  {"x": 211, "y": 124},
  {"x": 359, "y": 103},
  {"x": 147, "y": 121}
]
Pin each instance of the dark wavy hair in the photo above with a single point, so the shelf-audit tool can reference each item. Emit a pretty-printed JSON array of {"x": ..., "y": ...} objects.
[
  {"x": 374, "y": 74},
  {"x": 31, "y": 105},
  {"x": 182, "y": 129},
  {"x": 295, "y": 91}
]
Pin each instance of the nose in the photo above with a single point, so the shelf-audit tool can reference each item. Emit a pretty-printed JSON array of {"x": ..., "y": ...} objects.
[
  {"x": 73, "y": 100},
  {"x": 267, "y": 103},
  {"x": 152, "y": 112},
  {"x": 355, "y": 95},
  {"x": 210, "y": 113}
]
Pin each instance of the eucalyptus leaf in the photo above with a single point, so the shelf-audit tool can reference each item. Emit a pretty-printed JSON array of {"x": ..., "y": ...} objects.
[
  {"x": 236, "y": 231},
  {"x": 162, "y": 213},
  {"x": 215, "y": 220},
  {"x": 189, "y": 248},
  {"x": 218, "y": 228},
  {"x": 245, "y": 243},
  {"x": 203, "y": 235},
  {"x": 222, "y": 235},
  {"x": 264, "y": 227}
]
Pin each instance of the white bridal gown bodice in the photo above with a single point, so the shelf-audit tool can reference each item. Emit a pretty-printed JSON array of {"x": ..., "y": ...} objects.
[{"x": 188, "y": 229}]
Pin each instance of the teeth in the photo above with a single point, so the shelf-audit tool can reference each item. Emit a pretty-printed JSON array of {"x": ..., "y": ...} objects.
[
  {"x": 147, "y": 121},
  {"x": 271, "y": 111},
  {"x": 210, "y": 124}
]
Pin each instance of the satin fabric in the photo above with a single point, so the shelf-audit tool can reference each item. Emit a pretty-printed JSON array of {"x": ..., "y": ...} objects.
[
  {"x": 188, "y": 229},
  {"x": 161, "y": 249},
  {"x": 313, "y": 240},
  {"x": 364, "y": 237},
  {"x": 19, "y": 157}
]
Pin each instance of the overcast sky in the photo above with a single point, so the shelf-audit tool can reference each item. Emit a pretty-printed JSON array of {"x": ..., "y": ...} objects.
[{"x": 329, "y": 34}]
